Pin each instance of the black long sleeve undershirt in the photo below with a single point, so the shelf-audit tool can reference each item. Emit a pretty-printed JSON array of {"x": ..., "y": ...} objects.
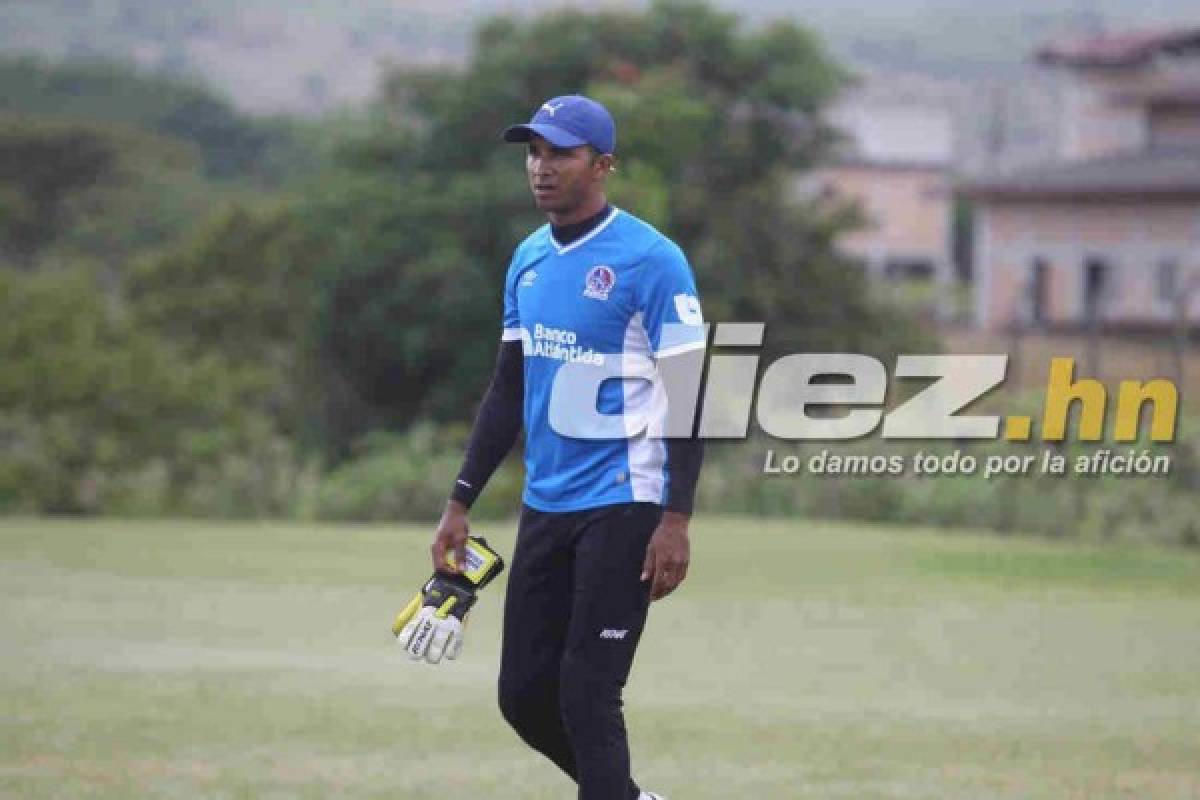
[
  {"x": 684, "y": 457},
  {"x": 496, "y": 425}
]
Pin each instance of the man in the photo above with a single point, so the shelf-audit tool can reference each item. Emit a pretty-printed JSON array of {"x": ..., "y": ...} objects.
[{"x": 604, "y": 525}]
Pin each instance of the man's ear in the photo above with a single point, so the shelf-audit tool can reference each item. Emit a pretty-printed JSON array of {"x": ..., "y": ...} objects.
[{"x": 606, "y": 162}]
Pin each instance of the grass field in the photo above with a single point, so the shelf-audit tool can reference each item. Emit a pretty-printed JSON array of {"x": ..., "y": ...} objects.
[{"x": 801, "y": 660}]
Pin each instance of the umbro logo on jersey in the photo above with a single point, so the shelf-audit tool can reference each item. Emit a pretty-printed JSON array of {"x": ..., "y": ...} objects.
[
  {"x": 599, "y": 282},
  {"x": 528, "y": 278},
  {"x": 612, "y": 633}
]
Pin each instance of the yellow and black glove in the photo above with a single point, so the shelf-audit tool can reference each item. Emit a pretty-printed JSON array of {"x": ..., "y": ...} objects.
[{"x": 431, "y": 625}]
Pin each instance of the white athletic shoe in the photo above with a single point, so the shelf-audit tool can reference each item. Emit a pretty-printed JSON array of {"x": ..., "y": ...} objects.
[{"x": 650, "y": 796}]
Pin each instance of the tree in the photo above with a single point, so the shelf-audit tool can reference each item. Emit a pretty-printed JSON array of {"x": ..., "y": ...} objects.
[
  {"x": 241, "y": 290},
  {"x": 404, "y": 300},
  {"x": 229, "y": 144},
  {"x": 91, "y": 189},
  {"x": 86, "y": 395}
]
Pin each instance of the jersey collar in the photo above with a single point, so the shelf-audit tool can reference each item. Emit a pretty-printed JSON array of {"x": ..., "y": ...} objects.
[{"x": 563, "y": 249}]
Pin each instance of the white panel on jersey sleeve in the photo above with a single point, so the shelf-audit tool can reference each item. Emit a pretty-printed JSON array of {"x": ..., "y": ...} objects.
[
  {"x": 679, "y": 338},
  {"x": 511, "y": 334},
  {"x": 643, "y": 401}
]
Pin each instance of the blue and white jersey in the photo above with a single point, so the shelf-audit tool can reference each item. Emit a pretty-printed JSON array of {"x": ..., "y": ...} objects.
[{"x": 623, "y": 291}]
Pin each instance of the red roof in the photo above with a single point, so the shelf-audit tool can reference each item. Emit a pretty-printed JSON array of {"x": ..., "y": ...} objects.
[{"x": 1130, "y": 48}]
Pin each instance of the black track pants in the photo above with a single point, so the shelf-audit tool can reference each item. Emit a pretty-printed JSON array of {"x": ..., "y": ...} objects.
[{"x": 574, "y": 612}]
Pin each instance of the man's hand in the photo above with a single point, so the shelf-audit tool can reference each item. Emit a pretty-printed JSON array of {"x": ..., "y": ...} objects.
[
  {"x": 451, "y": 538},
  {"x": 667, "y": 555}
]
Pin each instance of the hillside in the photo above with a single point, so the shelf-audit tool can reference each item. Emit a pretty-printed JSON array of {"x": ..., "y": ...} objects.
[{"x": 268, "y": 57}]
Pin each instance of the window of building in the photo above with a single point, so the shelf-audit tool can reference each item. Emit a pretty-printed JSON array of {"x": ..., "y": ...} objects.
[
  {"x": 909, "y": 268},
  {"x": 1166, "y": 281},
  {"x": 1039, "y": 288},
  {"x": 1097, "y": 277}
]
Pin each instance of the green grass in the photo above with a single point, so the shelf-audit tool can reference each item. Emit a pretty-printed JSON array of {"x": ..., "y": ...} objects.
[{"x": 801, "y": 660}]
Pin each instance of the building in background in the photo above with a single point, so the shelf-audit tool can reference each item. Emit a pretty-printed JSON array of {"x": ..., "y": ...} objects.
[
  {"x": 896, "y": 167},
  {"x": 1108, "y": 231}
]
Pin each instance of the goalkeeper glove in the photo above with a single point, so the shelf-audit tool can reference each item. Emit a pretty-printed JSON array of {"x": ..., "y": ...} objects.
[{"x": 431, "y": 625}]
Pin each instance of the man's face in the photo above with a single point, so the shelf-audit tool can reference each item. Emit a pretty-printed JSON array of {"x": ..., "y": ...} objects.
[{"x": 562, "y": 178}]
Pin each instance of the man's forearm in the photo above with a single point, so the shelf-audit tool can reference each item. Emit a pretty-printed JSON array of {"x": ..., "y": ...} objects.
[
  {"x": 684, "y": 458},
  {"x": 496, "y": 425},
  {"x": 684, "y": 455}
]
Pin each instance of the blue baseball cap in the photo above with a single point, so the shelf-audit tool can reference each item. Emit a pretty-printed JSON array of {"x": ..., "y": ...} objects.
[{"x": 569, "y": 121}]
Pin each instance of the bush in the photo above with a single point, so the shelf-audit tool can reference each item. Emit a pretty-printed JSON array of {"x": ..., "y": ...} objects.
[
  {"x": 98, "y": 415},
  {"x": 408, "y": 477}
]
